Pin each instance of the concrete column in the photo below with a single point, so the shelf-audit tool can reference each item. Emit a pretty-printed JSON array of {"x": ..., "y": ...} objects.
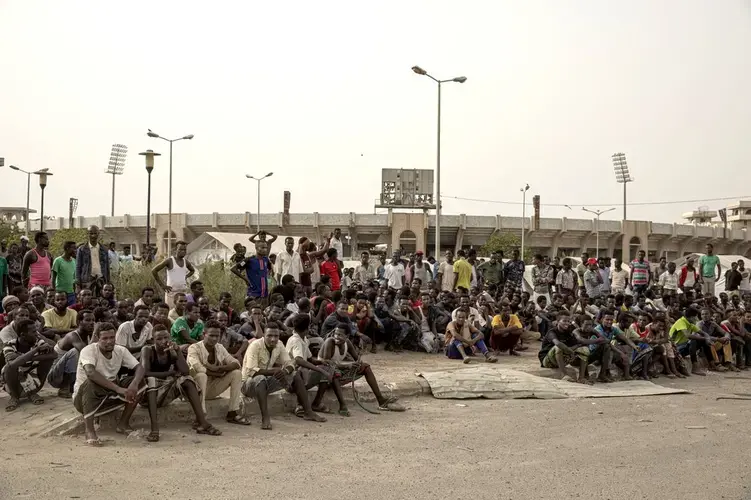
[{"x": 459, "y": 240}]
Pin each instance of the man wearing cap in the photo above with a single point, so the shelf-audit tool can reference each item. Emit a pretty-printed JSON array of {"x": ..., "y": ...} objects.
[
  {"x": 421, "y": 270},
  {"x": 9, "y": 303},
  {"x": 593, "y": 279}
]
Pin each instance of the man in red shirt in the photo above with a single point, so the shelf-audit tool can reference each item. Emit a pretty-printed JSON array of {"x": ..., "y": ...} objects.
[{"x": 330, "y": 268}]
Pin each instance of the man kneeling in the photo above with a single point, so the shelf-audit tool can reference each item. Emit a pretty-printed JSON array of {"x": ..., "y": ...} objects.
[
  {"x": 267, "y": 368},
  {"x": 100, "y": 389},
  {"x": 167, "y": 378}
]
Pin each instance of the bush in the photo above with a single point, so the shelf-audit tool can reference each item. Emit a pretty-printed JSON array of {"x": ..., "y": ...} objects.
[
  {"x": 216, "y": 278},
  {"x": 77, "y": 234},
  {"x": 506, "y": 243}
]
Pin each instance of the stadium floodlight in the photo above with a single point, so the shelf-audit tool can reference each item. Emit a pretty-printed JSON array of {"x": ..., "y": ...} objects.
[
  {"x": 622, "y": 175},
  {"x": 116, "y": 166}
]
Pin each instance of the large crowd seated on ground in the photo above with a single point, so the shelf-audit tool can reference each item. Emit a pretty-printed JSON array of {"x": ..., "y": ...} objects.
[{"x": 307, "y": 321}]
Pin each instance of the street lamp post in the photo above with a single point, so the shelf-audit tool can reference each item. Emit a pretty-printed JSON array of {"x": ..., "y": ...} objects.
[
  {"x": 622, "y": 175},
  {"x": 169, "y": 223},
  {"x": 524, "y": 215},
  {"x": 28, "y": 191},
  {"x": 259, "y": 179},
  {"x": 43, "y": 174},
  {"x": 598, "y": 213},
  {"x": 149, "y": 157},
  {"x": 115, "y": 167},
  {"x": 458, "y": 79}
]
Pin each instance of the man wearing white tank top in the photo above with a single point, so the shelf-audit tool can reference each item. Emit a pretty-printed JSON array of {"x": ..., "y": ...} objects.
[{"x": 179, "y": 269}]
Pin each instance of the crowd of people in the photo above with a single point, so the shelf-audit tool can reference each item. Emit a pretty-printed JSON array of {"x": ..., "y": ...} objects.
[{"x": 307, "y": 319}]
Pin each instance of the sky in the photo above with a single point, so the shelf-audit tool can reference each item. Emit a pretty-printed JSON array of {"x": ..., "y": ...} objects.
[{"x": 322, "y": 95}]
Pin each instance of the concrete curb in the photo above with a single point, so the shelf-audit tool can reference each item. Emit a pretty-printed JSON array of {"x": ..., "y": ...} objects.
[{"x": 279, "y": 402}]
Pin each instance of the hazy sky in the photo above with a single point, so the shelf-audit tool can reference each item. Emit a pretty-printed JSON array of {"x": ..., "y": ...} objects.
[{"x": 321, "y": 93}]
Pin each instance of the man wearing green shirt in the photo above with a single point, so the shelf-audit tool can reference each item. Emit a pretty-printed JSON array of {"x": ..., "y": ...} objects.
[
  {"x": 64, "y": 272},
  {"x": 492, "y": 271},
  {"x": 707, "y": 265},
  {"x": 688, "y": 338},
  {"x": 188, "y": 328}
]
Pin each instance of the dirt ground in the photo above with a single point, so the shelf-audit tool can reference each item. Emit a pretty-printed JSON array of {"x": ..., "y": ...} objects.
[{"x": 682, "y": 446}]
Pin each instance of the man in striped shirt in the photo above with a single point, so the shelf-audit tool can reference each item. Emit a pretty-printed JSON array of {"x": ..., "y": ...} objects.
[{"x": 640, "y": 273}]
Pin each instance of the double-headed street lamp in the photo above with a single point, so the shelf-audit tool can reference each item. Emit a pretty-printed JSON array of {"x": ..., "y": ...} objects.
[
  {"x": 458, "y": 79},
  {"x": 259, "y": 179},
  {"x": 598, "y": 213},
  {"x": 42, "y": 183},
  {"x": 169, "y": 224},
  {"x": 149, "y": 156}
]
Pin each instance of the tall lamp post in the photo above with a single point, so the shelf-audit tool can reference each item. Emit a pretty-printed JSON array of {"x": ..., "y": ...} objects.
[
  {"x": 115, "y": 167},
  {"x": 28, "y": 191},
  {"x": 524, "y": 215},
  {"x": 598, "y": 213},
  {"x": 458, "y": 79},
  {"x": 622, "y": 175},
  {"x": 149, "y": 157},
  {"x": 259, "y": 179},
  {"x": 43, "y": 174},
  {"x": 169, "y": 223}
]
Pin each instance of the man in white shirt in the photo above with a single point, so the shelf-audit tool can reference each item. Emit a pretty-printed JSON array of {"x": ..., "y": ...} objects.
[
  {"x": 114, "y": 258},
  {"x": 288, "y": 261},
  {"x": 364, "y": 272},
  {"x": 394, "y": 273},
  {"x": 669, "y": 280},
  {"x": 336, "y": 242},
  {"x": 445, "y": 277},
  {"x": 618, "y": 278},
  {"x": 745, "y": 275},
  {"x": 135, "y": 334},
  {"x": 474, "y": 317},
  {"x": 215, "y": 370},
  {"x": 99, "y": 388}
]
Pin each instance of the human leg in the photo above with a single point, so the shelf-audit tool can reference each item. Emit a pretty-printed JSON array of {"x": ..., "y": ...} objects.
[
  {"x": 124, "y": 423},
  {"x": 12, "y": 380},
  {"x": 201, "y": 381},
  {"x": 298, "y": 385}
]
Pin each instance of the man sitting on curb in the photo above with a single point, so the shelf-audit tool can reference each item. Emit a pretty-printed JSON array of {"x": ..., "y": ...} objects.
[
  {"x": 315, "y": 372},
  {"x": 266, "y": 369},
  {"x": 167, "y": 377},
  {"x": 341, "y": 354},
  {"x": 62, "y": 375},
  {"x": 28, "y": 359},
  {"x": 688, "y": 339},
  {"x": 100, "y": 389},
  {"x": 461, "y": 336},
  {"x": 215, "y": 370},
  {"x": 564, "y": 345}
]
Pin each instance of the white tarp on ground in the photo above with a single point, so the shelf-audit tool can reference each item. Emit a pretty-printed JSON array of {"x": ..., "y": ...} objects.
[
  {"x": 494, "y": 382},
  {"x": 725, "y": 261}
]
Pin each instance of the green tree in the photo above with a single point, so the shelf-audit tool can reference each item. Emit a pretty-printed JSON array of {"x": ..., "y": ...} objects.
[
  {"x": 9, "y": 233},
  {"x": 506, "y": 243},
  {"x": 77, "y": 234}
]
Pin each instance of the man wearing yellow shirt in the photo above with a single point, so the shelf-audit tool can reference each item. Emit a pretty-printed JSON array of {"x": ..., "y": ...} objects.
[
  {"x": 507, "y": 330},
  {"x": 60, "y": 318},
  {"x": 462, "y": 272}
]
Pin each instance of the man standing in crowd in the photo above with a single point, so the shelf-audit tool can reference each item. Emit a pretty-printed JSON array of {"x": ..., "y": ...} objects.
[
  {"x": 92, "y": 264},
  {"x": 640, "y": 273},
  {"x": 492, "y": 270},
  {"x": 514, "y": 271},
  {"x": 179, "y": 269},
  {"x": 618, "y": 278},
  {"x": 336, "y": 243},
  {"x": 733, "y": 278},
  {"x": 462, "y": 272},
  {"x": 364, "y": 272},
  {"x": 64, "y": 272},
  {"x": 37, "y": 263},
  {"x": 542, "y": 278},
  {"x": 707, "y": 265},
  {"x": 421, "y": 270},
  {"x": 394, "y": 273},
  {"x": 566, "y": 281},
  {"x": 445, "y": 279},
  {"x": 288, "y": 261},
  {"x": 689, "y": 276},
  {"x": 256, "y": 270},
  {"x": 114, "y": 258}
]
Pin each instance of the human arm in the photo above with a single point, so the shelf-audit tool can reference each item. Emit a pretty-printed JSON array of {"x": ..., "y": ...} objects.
[
  {"x": 624, "y": 338},
  {"x": 719, "y": 271},
  {"x": 236, "y": 271},
  {"x": 273, "y": 238},
  {"x": 54, "y": 277},
  {"x": 191, "y": 269},
  {"x": 599, "y": 339},
  {"x": 560, "y": 345},
  {"x": 146, "y": 356},
  {"x": 28, "y": 260},
  {"x": 155, "y": 273}
]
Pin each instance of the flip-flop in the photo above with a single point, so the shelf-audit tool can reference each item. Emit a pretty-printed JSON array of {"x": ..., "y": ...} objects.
[
  {"x": 13, "y": 404},
  {"x": 266, "y": 427},
  {"x": 36, "y": 399},
  {"x": 321, "y": 409},
  {"x": 344, "y": 413},
  {"x": 210, "y": 430},
  {"x": 299, "y": 412},
  {"x": 314, "y": 418},
  {"x": 239, "y": 420}
]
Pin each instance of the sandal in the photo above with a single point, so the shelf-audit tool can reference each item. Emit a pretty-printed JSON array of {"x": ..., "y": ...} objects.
[
  {"x": 238, "y": 420},
  {"x": 153, "y": 437},
  {"x": 96, "y": 443},
  {"x": 36, "y": 399},
  {"x": 299, "y": 412},
  {"x": 344, "y": 412},
  {"x": 391, "y": 405},
  {"x": 210, "y": 430},
  {"x": 322, "y": 408},
  {"x": 13, "y": 404}
]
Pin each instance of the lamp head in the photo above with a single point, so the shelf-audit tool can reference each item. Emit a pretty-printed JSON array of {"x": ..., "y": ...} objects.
[
  {"x": 419, "y": 70},
  {"x": 43, "y": 174},
  {"x": 460, "y": 79},
  {"x": 269, "y": 174},
  {"x": 149, "y": 155},
  {"x": 152, "y": 134},
  {"x": 14, "y": 167},
  {"x": 188, "y": 137}
]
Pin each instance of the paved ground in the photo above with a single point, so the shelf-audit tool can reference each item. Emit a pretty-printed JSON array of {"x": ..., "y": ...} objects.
[{"x": 621, "y": 448}]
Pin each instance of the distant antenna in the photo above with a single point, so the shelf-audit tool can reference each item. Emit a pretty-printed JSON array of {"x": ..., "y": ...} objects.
[{"x": 116, "y": 166}]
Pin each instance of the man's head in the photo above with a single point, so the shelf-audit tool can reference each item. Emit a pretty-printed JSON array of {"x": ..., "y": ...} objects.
[
  {"x": 340, "y": 333},
  {"x": 449, "y": 255},
  {"x": 212, "y": 332},
  {"x": 461, "y": 318},
  {"x": 20, "y": 313},
  {"x": 710, "y": 249},
  {"x": 191, "y": 312},
  {"x": 141, "y": 317},
  {"x": 690, "y": 262},
  {"x": 106, "y": 334},
  {"x": 461, "y": 254},
  {"x": 108, "y": 291},
  {"x": 180, "y": 300},
  {"x": 364, "y": 258},
  {"x": 161, "y": 313},
  {"x": 161, "y": 337},
  {"x": 126, "y": 250},
  {"x": 691, "y": 314},
  {"x": 61, "y": 301},
  {"x": 301, "y": 323},
  {"x": 706, "y": 314},
  {"x": 203, "y": 305},
  {"x": 225, "y": 299},
  {"x": 586, "y": 324},
  {"x": 37, "y": 297},
  {"x": 566, "y": 263},
  {"x": 26, "y": 331},
  {"x": 592, "y": 264},
  {"x": 564, "y": 320},
  {"x": 196, "y": 289},
  {"x": 332, "y": 254},
  {"x": 181, "y": 248},
  {"x": 464, "y": 302},
  {"x": 222, "y": 318},
  {"x": 539, "y": 261},
  {"x": 86, "y": 321},
  {"x": 338, "y": 233},
  {"x": 147, "y": 295},
  {"x": 342, "y": 309},
  {"x": 671, "y": 267},
  {"x": 69, "y": 249},
  {"x": 271, "y": 334},
  {"x": 93, "y": 235},
  {"x": 262, "y": 249},
  {"x": 256, "y": 313},
  {"x": 85, "y": 297},
  {"x": 42, "y": 240},
  {"x": 606, "y": 320},
  {"x": 741, "y": 264},
  {"x": 418, "y": 256},
  {"x": 275, "y": 312},
  {"x": 640, "y": 255},
  {"x": 643, "y": 320}
]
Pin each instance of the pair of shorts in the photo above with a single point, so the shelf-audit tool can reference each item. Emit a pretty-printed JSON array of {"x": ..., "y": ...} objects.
[{"x": 550, "y": 360}]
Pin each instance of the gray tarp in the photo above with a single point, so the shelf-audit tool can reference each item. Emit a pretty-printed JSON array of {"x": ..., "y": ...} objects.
[{"x": 493, "y": 382}]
